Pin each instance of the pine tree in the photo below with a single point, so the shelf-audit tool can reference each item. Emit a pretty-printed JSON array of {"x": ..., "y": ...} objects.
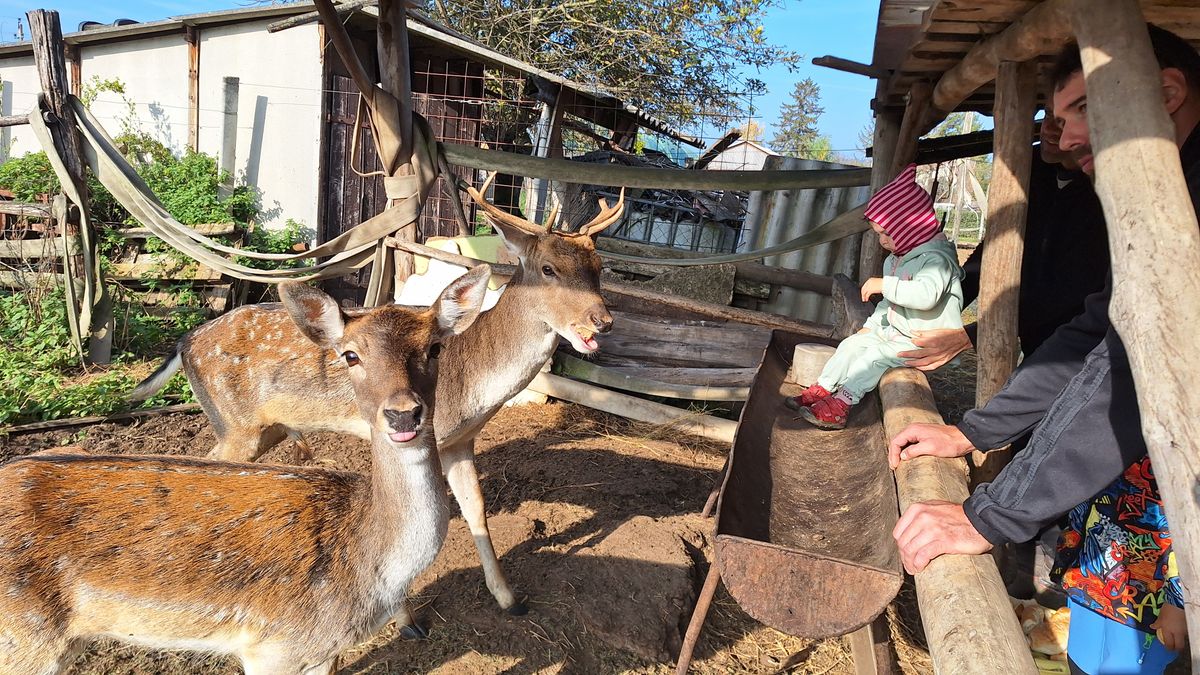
[{"x": 796, "y": 130}]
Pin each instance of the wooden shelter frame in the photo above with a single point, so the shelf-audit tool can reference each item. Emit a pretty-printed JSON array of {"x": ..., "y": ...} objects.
[{"x": 1150, "y": 220}]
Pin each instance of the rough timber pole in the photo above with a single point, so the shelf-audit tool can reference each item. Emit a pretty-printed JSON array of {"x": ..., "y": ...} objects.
[
  {"x": 396, "y": 79},
  {"x": 969, "y": 623},
  {"x": 48, "y": 55},
  {"x": 903, "y": 151},
  {"x": 1155, "y": 249},
  {"x": 887, "y": 133},
  {"x": 1000, "y": 281}
]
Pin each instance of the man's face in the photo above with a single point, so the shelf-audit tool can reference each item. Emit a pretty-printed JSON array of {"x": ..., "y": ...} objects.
[
  {"x": 1070, "y": 112},
  {"x": 1050, "y": 135}
]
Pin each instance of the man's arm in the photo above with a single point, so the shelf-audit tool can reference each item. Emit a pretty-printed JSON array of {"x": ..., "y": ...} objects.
[
  {"x": 1089, "y": 437},
  {"x": 1033, "y": 387}
]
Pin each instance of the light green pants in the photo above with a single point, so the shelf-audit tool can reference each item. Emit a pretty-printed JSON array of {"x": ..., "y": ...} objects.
[{"x": 861, "y": 360}]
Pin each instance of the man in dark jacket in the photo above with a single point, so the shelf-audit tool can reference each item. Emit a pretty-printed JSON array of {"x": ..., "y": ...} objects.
[
  {"x": 1076, "y": 392},
  {"x": 1065, "y": 258}
]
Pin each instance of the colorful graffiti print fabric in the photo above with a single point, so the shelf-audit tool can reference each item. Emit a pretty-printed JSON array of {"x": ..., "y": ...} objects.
[{"x": 1115, "y": 555}]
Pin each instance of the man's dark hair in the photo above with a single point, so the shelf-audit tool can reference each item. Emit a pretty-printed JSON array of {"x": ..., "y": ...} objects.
[{"x": 1171, "y": 51}]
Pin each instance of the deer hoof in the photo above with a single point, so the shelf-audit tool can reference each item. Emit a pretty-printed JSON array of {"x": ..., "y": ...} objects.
[
  {"x": 414, "y": 632},
  {"x": 519, "y": 608}
]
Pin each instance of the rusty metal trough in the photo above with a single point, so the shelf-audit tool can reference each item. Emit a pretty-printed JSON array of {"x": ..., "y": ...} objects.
[{"x": 804, "y": 518}]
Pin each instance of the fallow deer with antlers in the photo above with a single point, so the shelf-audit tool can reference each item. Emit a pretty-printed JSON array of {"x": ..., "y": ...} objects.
[
  {"x": 282, "y": 567},
  {"x": 252, "y": 405}
]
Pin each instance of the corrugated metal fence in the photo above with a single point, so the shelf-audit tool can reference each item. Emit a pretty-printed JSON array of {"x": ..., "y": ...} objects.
[{"x": 775, "y": 217}]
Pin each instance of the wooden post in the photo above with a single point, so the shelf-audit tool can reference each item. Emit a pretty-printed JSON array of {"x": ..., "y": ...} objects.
[
  {"x": 887, "y": 133},
  {"x": 1000, "y": 280},
  {"x": 871, "y": 649},
  {"x": 48, "y": 55},
  {"x": 1155, "y": 248},
  {"x": 76, "y": 69},
  {"x": 969, "y": 624},
  {"x": 192, "y": 35},
  {"x": 396, "y": 79}
]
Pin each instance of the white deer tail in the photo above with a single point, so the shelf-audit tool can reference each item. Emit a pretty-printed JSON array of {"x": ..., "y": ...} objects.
[{"x": 158, "y": 379}]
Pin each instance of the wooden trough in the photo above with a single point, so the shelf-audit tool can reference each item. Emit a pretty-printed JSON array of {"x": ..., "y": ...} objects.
[{"x": 804, "y": 518}]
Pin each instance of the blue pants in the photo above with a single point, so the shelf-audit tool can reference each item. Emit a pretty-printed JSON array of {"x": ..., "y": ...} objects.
[
  {"x": 861, "y": 360},
  {"x": 1097, "y": 645}
]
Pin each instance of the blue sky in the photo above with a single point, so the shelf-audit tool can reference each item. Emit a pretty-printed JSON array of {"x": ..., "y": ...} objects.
[{"x": 844, "y": 28}]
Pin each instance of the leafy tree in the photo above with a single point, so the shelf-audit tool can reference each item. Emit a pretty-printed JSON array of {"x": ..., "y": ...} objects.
[
  {"x": 751, "y": 131},
  {"x": 674, "y": 58},
  {"x": 796, "y": 131}
]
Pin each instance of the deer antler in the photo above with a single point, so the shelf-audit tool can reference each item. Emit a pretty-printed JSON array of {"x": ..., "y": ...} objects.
[
  {"x": 608, "y": 215},
  {"x": 498, "y": 214}
]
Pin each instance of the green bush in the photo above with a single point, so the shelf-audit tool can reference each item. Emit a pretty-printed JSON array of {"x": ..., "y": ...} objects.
[{"x": 40, "y": 376}]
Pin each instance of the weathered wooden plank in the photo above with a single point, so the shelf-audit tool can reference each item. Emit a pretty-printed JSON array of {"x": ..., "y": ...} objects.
[
  {"x": 161, "y": 266},
  {"x": 38, "y": 248},
  {"x": 717, "y": 377},
  {"x": 207, "y": 229},
  {"x": 588, "y": 371},
  {"x": 685, "y": 343},
  {"x": 11, "y": 279},
  {"x": 192, "y": 35}
]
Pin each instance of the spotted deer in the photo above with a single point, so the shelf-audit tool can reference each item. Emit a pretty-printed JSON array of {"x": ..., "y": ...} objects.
[
  {"x": 282, "y": 567},
  {"x": 245, "y": 366}
]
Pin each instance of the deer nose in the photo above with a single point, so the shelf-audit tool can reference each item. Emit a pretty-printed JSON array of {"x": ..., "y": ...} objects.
[
  {"x": 404, "y": 420},
  {"x": 602, "y": 321}
]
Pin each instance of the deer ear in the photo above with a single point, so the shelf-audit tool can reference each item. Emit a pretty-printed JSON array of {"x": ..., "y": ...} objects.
[
  {"x": 460, "y": 303},
  {"x": 315, "y": 313},
  {"x": 518, "y": 241}
]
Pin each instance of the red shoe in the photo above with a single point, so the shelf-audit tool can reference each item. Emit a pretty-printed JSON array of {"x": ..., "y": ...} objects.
[
  {"x": 827, "y": 413},
  {"x": 809, "y": 396}
]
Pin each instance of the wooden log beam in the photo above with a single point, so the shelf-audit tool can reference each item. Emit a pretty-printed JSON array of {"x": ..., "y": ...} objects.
[
  {"x": 38, "y": 248},
  {"x": 1000, "y": 279},
  {"x": 13, "y": 120},
  {"x": 1155, "y": 307},
  {"x": 569, "y": 171},
  {"x": 969, "y": 624},
  {"x": 848, "y": 66},
  {"x": 1043, "y": 30},
  {"x": 342, "y": 9},
  {"x": 634, "y": 408}
]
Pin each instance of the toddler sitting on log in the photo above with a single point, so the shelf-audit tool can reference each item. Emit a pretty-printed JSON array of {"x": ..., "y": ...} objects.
[{"x": 921, "y": 290}]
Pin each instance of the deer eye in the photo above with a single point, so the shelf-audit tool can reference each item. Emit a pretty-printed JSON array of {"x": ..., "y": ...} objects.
[
  {"x": 435, "y": 350},
  {"x": 351, "y": 358},
  {"x": 548, "y": 271}
]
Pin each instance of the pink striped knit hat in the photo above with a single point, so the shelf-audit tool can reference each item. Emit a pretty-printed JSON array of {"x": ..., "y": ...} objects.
[{"x": 905, "y": 212}]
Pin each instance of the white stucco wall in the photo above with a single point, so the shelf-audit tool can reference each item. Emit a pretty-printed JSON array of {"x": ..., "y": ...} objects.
[
  {"x": 18, "y": 95},
  {"x": 154, "y": 71},
  {"x": 278, "y": 112}
]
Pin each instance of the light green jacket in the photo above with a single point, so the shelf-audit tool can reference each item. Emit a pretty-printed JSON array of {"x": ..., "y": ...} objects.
[{"x": 922, "y": 290}]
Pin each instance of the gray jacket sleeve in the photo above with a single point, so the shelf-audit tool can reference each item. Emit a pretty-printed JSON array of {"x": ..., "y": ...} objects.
[
  {"x": 1091, "y": 435},
  {"x": 1033, "y": 387}
]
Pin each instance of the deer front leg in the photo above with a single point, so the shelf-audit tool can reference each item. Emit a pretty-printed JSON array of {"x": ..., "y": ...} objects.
[{"x": 458, "y": 463}]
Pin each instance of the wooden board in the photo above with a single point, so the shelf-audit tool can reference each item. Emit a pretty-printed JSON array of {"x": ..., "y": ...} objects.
[
  {"x": 666, "y": 342},
  {"x": 37, "y": 248}
]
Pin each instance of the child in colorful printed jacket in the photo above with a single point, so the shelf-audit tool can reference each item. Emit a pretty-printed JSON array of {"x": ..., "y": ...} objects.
[
  {"x": 1116, "y": 562},
  {"x": 921, "y": 290}
]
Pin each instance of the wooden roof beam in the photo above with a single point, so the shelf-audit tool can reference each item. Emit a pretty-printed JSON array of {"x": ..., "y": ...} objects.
[
  {"x": 848, "y": 66},
  {"x": 1043, "y": 30}
]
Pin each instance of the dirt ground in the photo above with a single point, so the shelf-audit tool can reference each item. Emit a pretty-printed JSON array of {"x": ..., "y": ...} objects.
[{"x": 595, "y": 519}]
